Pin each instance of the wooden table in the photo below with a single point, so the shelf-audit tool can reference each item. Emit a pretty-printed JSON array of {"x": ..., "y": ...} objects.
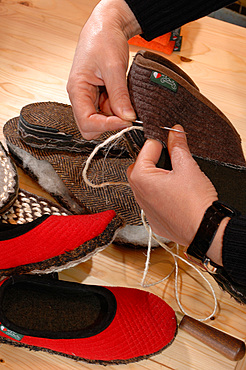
[{"x": 37, "y": 43}]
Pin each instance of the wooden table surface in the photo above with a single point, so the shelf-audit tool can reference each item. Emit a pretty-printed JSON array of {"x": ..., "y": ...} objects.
[{"x": 37, "y": 43}]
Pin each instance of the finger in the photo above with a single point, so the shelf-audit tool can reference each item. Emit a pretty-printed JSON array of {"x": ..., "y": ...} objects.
[
  {"x": 145, "y": 164},
  {"x": 115, "y": 82},
  {"x": 130, "y": 169},
  {"x": 178, "y": 148},
  {"x": 90, "y": 123},
  {"x": 150, "y": 153}
]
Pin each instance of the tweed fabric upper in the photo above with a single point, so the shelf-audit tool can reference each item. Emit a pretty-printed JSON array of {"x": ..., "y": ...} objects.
[
  {"x": 51, "y": 125},
  {"x": 69, "y": 166}
]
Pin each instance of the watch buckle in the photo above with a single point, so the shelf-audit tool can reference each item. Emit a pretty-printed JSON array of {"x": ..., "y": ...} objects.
[
  {"x": 204, "y": 265},
  {"x": 208, "y": 265}
]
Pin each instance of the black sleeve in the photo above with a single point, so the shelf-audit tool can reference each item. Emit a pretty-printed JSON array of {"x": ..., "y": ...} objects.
[
  {"x": 234, "y": 249},
  {"x": 159, "y": 17}
]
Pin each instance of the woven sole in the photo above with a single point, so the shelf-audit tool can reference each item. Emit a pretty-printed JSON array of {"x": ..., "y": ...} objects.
[
  {"x": 28, "y": 207},
  {"x": 9, "y": 184}
]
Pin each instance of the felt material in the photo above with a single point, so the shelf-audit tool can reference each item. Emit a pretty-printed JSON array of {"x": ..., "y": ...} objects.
[
  {"x": 213, "y": 141},
  {"x": 117, "y": 325},
  {"x": 162, "y": 96},
  {"x": 9, "y": 184},
  {"x": 54, "y": 242}
]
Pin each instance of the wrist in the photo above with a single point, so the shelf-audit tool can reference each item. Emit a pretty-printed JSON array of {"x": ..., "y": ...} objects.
[
  {"x": 124, "y": 18},
  {"x": 206, "y": 247},
  {"x": 214, "y": 252}
]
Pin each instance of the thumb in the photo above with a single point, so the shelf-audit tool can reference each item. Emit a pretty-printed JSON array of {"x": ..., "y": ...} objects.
[
  {"x": 117, "y": 90},
  {"x": 178, "y": 148},
  {"x": 148, "y": 156}
]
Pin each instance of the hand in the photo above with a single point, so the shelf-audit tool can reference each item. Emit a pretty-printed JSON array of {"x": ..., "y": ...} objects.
[
  {"x": 174, "y": 201},
  {"x": 101, "y": 60}
]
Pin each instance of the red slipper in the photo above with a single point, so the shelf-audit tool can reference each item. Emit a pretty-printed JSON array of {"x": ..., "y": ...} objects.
[
  {"x": 52, "y": 243},
  {"x": 91, "y": 323}
]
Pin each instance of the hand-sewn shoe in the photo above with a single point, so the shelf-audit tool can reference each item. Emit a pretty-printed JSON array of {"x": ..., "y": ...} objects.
[
  {"x": 90, "y": 323},
  {"x": 52, "y": 243}
]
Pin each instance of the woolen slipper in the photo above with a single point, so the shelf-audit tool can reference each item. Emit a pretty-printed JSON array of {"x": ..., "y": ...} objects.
[
  {"x": 27, "y": 207},
  {"x": 52, "y": 243},
  {"x": 51, "y": 125},
  {"x": 163, "y": 95},
  {"x": 59, "y": 172},
  {"x": 105, "y": 325},
  {"x": 9, "y": 184}
]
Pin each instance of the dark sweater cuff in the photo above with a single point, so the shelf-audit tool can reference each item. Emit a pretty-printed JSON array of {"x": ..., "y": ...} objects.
[
  {"x": 159, "y": 17},
  {"x": 234, "y": 249}
]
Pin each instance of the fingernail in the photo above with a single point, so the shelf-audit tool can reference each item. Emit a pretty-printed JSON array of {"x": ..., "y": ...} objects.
[{"x": 128, "y": 115}]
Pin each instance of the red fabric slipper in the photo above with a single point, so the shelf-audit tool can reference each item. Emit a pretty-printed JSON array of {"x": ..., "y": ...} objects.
[
  {"x": 91, "y": 323},
  {"x": 52, "y": 243}
]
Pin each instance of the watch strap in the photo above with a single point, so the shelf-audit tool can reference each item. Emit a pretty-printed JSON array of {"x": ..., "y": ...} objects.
[{"x": 208, "y": 228}]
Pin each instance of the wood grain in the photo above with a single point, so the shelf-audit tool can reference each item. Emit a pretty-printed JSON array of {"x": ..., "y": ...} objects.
[{"x": 37, "y": 43}]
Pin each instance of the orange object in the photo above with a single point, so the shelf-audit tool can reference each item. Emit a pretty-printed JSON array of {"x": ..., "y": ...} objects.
[{"x": 161, "y": 43}]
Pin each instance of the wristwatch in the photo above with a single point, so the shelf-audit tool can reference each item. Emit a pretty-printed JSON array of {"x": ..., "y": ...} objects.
[{"x": 199, "y": 246}]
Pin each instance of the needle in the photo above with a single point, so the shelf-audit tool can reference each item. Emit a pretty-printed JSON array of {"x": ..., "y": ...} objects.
[
  {"x": 164, "y": 127},
  {"x": 141, "y": 123}
]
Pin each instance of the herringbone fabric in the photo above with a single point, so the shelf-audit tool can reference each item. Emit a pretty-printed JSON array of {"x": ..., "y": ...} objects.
[{"x": 69, "y": 167}]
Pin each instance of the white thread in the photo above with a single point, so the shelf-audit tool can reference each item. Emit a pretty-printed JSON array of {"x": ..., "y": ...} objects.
[
  {"x": 95, "y": 150},
  {"x": 147, "y": 262},
  {"x": 175, "y": 257},
  {"x": 149, "y": 230}
]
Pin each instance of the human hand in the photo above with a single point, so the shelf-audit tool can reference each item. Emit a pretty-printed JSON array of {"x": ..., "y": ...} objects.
[
  {"x": 101, "y": 60},
  {"x": 174, "y": 201}
]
